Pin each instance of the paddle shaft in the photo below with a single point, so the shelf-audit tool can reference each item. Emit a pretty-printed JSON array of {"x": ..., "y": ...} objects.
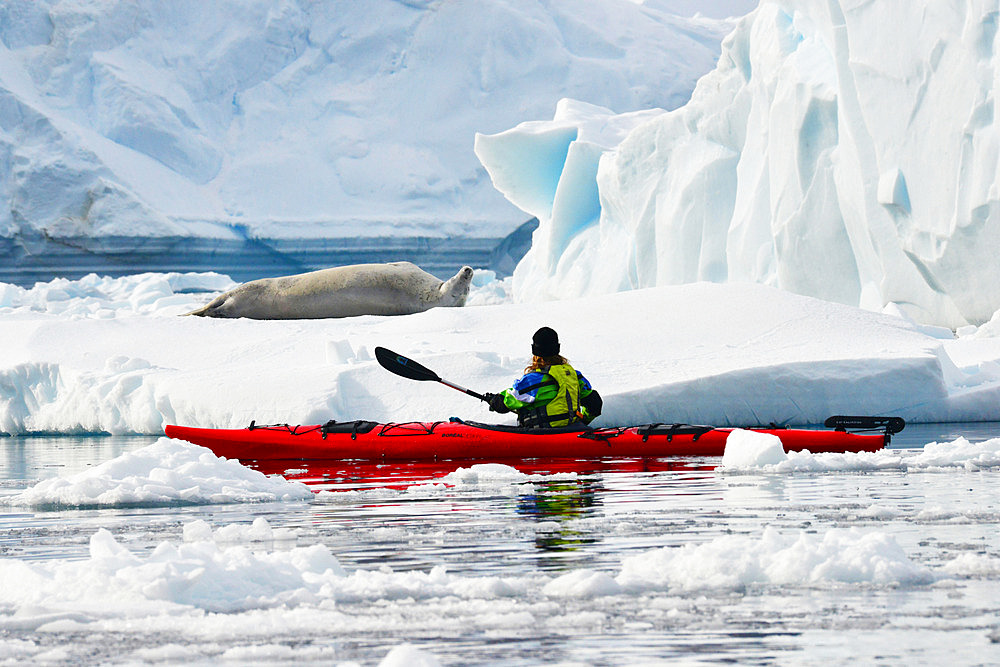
[{"x": 462, "y": 389}]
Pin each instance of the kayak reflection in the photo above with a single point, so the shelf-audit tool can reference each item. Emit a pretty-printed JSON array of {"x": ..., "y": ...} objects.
[{"x": 353, "y": 475}]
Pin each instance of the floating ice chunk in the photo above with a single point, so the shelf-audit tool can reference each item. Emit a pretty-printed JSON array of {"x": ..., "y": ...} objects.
[
  {"x": 259, "y": 531},
  {"x": 197, "y": 531},
  {"x": 749, "y": 448},
  {"x": 168, "y": 472},
  {"x": 267, "y": 654},
  {"x": 407, "y": 655},
  {"x": 735, "y": 562},
  {"x": 484, "y": 474},
  {"x": 196, "y": 575},
  {"x": 582, "y": 584},
  {"x": 878, "y": 512},
  {"x": 958, "y": 453},
  {"x": 972, "y": 565},
  {"x": 934, "y": 456}
]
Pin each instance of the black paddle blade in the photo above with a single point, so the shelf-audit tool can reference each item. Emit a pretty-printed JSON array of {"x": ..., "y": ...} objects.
[
  {"x": 890, "y": 425},
  {"x": 400, "y": 365}
]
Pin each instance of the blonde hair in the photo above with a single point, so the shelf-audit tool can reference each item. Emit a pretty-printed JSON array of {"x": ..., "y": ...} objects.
[{"x": 538, "y": 363}]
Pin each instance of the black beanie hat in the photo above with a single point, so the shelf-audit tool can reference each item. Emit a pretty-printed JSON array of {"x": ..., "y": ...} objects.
[{"x": 545, "y": 343}]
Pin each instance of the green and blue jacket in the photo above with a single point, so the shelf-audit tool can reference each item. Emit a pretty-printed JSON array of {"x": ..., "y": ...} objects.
[{"x": 549, "y": 397}]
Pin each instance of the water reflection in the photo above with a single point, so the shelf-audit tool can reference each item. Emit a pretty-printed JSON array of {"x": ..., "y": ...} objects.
[
  {"x": 41, "y": 457},
  {"x": 383, "y": 506},
  {"x": 918, "y": 435},
  {"x": 556, "y": 503},
  {"x": 354, "y": 475}
]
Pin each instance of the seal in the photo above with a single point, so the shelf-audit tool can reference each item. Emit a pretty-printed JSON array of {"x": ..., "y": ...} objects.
[{"x": 398, "y": 288}]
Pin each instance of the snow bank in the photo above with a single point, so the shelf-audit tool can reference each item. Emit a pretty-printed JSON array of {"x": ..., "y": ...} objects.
[
  {"x": 111, "y": 356},
  {"x": 168, "y": 472},
  {"x": 801, "y": 161},
  {"x": 104, "y": 297},
  {"x": 301, "y": 119}
]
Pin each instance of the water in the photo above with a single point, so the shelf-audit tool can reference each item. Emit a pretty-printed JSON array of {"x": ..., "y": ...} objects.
[
  {"x": 545, "y": 528},
  {"x": 25, "y": 260}
]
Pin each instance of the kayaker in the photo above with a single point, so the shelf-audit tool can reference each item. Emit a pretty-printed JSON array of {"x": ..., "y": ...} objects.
[{"x": 551, "y": 393}]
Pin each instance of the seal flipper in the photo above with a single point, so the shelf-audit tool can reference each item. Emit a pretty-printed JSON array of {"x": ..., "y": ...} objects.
[{"x": 208, "y": 310}]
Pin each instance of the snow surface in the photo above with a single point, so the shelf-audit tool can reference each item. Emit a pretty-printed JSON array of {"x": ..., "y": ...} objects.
[
  {"x": 103, "y": 355},
  {"x": 297, "y": 119},
  {"x": 819, "y": 156}
]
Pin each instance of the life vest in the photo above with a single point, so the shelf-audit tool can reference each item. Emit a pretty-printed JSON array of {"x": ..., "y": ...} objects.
[{"x": 564, "y": 408}]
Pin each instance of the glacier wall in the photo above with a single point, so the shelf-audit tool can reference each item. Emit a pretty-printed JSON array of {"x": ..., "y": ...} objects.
[
  {"x": 298, "y": 119},
  {"x": 841, "y": 149}
]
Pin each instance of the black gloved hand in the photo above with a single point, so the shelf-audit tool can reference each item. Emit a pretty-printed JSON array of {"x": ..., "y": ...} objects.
[{"x": 496, "y": 403}]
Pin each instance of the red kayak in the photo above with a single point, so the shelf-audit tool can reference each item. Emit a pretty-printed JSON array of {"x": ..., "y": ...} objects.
[{"x": 415, "y": 441}]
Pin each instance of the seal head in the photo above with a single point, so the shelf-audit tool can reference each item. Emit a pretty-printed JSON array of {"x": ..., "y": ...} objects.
[{"x": 455, "y": 290}]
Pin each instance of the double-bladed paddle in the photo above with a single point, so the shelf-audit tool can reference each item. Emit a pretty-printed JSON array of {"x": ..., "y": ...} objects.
[{"x": 408, "y": 368}]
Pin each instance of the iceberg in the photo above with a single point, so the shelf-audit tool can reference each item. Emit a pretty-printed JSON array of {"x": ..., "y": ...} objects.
[
  {"x": 818, "y": 157},
  {"x": 305, "y": 120}
]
